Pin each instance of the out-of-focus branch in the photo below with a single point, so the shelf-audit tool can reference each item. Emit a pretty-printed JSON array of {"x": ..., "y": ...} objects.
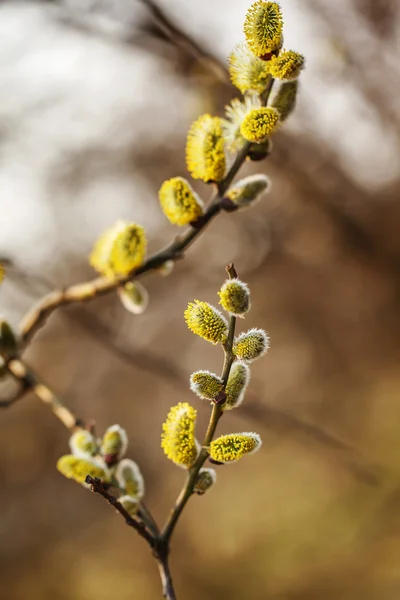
[
  {"x": 18, "y": 395},
  {"x": 180, "y": 39},
  {"x": 31, "y": 382}
]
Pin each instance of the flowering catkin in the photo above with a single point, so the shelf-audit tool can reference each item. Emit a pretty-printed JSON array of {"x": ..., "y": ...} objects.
[
  {"x": 177, "y": 439},
  {"x": 231, "y": 447}
]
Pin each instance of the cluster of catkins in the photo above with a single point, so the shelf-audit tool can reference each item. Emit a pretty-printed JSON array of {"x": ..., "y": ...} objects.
[
  {"x": 267, "y": 76},
  {"x": 178, "y": 438},
  {"x": 103, "y": 458}
]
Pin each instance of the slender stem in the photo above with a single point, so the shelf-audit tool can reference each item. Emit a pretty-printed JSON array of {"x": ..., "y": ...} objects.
[
  {"x": 84, "y": 292},
  {"x": 18, "y": 395},
  {"x": 98, "y": 487},
  {"x": 30, "y": 381},
  {"x": 216, "y": 414},
  {"x": 147, "y": 517},
  {"x": 166, "y": 578}
]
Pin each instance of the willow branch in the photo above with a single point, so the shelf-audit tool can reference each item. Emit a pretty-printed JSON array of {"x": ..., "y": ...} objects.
[
  {"x": 97, "y": 486},
  {"x": 31, "y": 382},
  {"x": 216, "y": 414},
  {"x": 23, "y": 390},
  {"x": 84, "y": 292},
  {"x": 166, "y": 578}
]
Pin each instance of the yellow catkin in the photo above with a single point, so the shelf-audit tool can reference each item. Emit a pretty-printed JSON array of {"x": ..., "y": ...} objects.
[
  {"x": 205, "y": 153},
  {"x": 287, "y": 66},
  {"x": 179, "y": 202},
  {"x": 259, "y": 123},
  {"x": 248, "y": 72},
  {"x": 235, "y": 297},
  {"x": 178, "y": 439},
  {"x": 231, "y": 447},
  {"x": 206, "y": 321},
  {"x": 263, "y": 27}
]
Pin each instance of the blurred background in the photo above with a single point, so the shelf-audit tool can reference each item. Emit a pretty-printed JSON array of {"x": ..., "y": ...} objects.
[{"x": 96, "y": 99}]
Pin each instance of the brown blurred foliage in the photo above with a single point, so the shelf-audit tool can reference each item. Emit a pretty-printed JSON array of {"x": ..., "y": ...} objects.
[{"x": 315, "y": 514}]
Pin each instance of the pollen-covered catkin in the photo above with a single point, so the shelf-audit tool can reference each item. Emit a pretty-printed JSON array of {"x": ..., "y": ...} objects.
[
  {"x": 178, "y": 438},
  {"x": 287, "y": 65},
  {"x": 119, "y": 250},
  {"x": 259, "y": 123},
  {"x": 263, "y": 28},
  {"x": 206, "y": 385},
  {"x": 205, "y": 152},
  {"x": 251, "y": 345},
  {"x": 206, "y": 321},
  {"x": 235, "y": 297},
  {"x": 77, "y": 468},
  {"x": 230, "y": 448},
  {"x": 179, "y": 202}
]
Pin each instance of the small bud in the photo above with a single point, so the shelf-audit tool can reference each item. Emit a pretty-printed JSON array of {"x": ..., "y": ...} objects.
[
  {"x": 134, "y": 297},
  {"x": 205, "y": 479},
  {"x": 206, "y": 385},
  {"x": 251, "y": 345},
  {"x": 235, "y": 112},
  {"x": 130, "y": 478},
  {"x": 231, "y": 447},
  {"x": 179, "y": 202},
  {"x": 114, "y": 444},
  {"x": 83, "y": 444},
  {"x": 75, "y": 467},
  {"x": 248, "y": 191},
  {"x": 287, "y": 65},
  {"x": 248, "y": 72},
  {"x": 177, "y": 439},
  {"x": 206, "y": 321},
  {"x": 205, "y": 154},
  {"x": 235, "y": 297},
  {"x": 166, "y": 268},
  {"x": 263, "y": 27},
  {"x": 238, "y": 381},
  {"x": 130, "y": 504},
  {"x": 8, "y": 343},
  {"x": 283, "y": 98},
  {"x": 119, "y": 250},
  {"x": 259, "y": 123},
  {"x": 260, "y": 151}
]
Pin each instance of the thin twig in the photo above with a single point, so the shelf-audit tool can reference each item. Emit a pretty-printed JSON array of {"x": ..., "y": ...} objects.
[
  {"x": 83, "y": 292},
  {"x": 98, "y": 487},
  {"x": 216, "y": 414},
  {"x": 30, "y": 381},
  {"x": 18, "y": 395},
  {"x": 166, "y": 578}
]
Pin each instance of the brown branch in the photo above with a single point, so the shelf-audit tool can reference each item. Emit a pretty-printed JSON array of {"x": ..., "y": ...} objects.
[
  {"x": 31, "y": 382},
  {"x": 182, "y": 41},
  {"x": 18, "y": 395},
  {"x": 84, "y": 292},
  {"x": 98, "y": 487}
]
